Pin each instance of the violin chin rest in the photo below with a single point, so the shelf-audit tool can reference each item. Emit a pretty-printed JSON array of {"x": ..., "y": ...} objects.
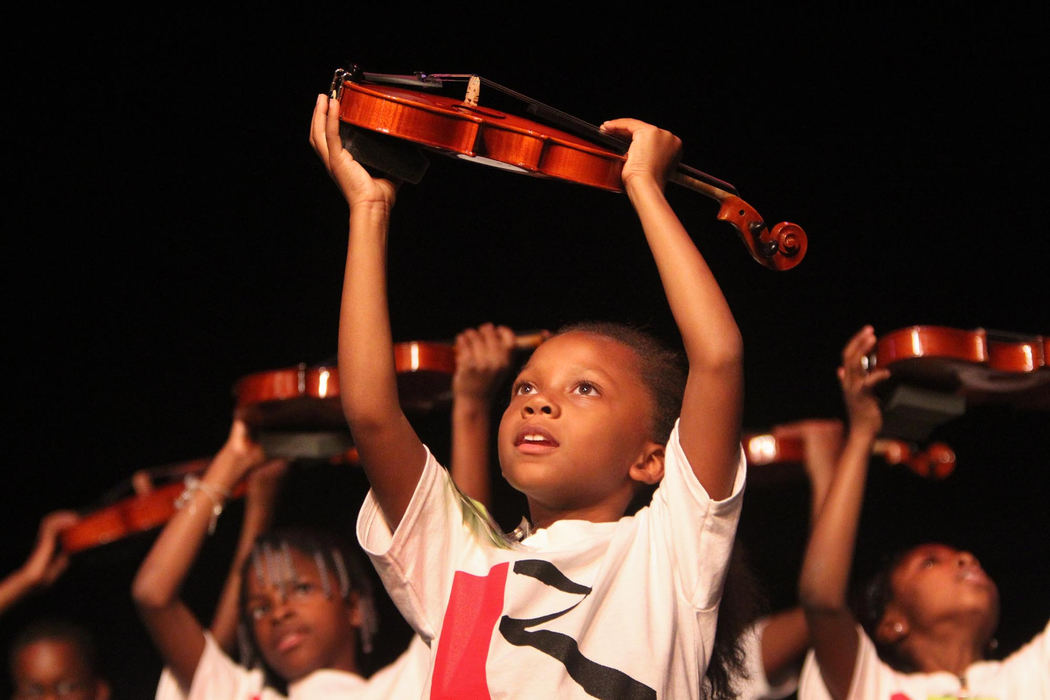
[{"x": 383, "y": 155}]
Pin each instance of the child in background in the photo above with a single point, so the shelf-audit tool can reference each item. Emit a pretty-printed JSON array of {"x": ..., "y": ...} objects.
[
  {"x": 592, "y": 603},
  {"x": 775, "y": 646},
  {"x": 56, "y": 658},
  {"x": 931, "y": 614},
  {"x": 50, "y": 655},
  {"x": 306, "y": 603},
  {"x": 482, "y": 357}
]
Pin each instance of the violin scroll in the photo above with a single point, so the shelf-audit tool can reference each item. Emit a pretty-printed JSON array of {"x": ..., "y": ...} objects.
[
  {"x": 937, "y": 461},
  {"x": 779, "y": 249}
]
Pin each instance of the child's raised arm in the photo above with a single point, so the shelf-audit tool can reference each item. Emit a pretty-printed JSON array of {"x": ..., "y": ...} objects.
[
  {"x": 391, "y": 453},
  {"x": 482, "y": 358},
  {"x": 44, "y": 565},
  {"x": 259, "y": 501},
  {"x": 826, "y": 567},
  {"x": 709, "y": 427},
  {"x": 176, "y": 633}
]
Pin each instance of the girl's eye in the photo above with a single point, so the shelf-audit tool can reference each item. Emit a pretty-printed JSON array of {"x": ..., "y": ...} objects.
[
  {"x": 523, "y": 389},
  {"x": 303, "y": 588},
  {"x": 257, "y": 612},
  {"x": 586, "y": 389}
]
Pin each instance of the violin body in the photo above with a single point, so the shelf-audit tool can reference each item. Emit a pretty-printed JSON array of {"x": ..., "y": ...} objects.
[
  {"x": 935, "y": 462},
  {"x": 982, "y": 366},
  {"x": 307, "y": 398},
  {"x": 132, "y": 514},
  {"x": 477, "y": 133}
]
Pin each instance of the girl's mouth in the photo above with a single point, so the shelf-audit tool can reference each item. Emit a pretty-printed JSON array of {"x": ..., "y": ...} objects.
[{"x": 533, "y": 439}]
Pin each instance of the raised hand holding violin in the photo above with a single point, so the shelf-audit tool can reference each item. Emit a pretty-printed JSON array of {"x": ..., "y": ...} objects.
[{"x": 44, "y": 565}]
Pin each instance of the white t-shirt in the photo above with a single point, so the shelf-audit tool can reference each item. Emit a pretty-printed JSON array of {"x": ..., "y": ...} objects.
[
  {"x": 756, "y": 686},
  {"x": 1024, "y": 675},
  {"x": 623, "y": 609},
  {"x": 218, "y": 676}
]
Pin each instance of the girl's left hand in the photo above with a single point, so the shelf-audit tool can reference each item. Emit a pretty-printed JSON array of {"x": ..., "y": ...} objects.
[{"x": 653, "y": 153}]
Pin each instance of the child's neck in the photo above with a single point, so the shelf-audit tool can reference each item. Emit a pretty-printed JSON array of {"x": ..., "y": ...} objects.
[
  {"x": 948, "y": 648},
  {"x": 605, "y": 512}
]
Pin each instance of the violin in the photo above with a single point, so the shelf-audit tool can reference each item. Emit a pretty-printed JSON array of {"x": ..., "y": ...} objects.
[
  {"x": 385, "y": 104},
  {"x": 296, "y": 410},
  {"x": 935, "y": 462},
  {"x": 982, "y": 366},
  {"x": 148, "y": 507}
]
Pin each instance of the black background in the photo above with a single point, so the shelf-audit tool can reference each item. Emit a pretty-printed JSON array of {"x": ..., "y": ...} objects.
[{"x": 169, "y": 231}]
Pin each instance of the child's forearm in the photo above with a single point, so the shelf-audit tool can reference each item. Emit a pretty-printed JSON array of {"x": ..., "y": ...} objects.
[
  {"x": 710, "y": 418},
  {"x": 826, "y": 567},
  {"x": 176, "y": 633},
  {"x": 470, "y": 447},
  {"x": 13, "y": 588},
  {"x": 257, "y": 519},
  {"x": 391, "y": 453}
]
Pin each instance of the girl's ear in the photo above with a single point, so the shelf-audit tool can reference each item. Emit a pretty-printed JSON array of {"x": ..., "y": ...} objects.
[
  {"x": 353, "y": 604},
  {"x": 649, "y": 469},
  {"x": 892, "y": 628},
  {"x": 101, "y": 690}
]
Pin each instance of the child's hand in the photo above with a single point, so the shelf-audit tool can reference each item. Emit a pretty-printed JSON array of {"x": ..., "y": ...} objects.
[
  {"x": 358, "y": 187},
  {"x": 482, "y": 357},
  {"x": 858, "y": 384},
  {"x": 653, "y": 152},
  {"x": 238, "y": 456},
  {"x": 48, "y": 561}
]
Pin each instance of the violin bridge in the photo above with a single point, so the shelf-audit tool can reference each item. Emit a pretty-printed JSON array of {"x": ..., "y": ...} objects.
[{"x": 473, "y": 92}]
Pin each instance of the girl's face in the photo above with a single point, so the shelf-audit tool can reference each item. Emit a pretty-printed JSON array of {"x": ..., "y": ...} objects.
[
  {"x": 297, "y": 626},
  {"x": 935, "y": 581},
  {"x": 579, "y": 417}
]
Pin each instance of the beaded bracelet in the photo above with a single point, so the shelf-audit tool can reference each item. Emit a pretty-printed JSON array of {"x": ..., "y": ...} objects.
[{"x": 216, "y": 495}]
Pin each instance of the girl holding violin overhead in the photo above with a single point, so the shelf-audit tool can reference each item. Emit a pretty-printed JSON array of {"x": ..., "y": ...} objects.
[
  {"x": 305, "y": 602},
  {"x": 592, "y": 603},
  {"x": 927, "y": 620},
  {"x": 301, "y": 582}
]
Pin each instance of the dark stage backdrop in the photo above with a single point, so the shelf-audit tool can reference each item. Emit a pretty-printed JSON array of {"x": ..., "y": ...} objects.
[{"x": 169, "y": 231}]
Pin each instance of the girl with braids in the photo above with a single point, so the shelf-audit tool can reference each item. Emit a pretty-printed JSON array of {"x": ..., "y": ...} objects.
[{"x": 304, "y": 600}]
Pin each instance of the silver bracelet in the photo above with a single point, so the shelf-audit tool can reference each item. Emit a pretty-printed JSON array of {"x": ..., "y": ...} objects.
[{"x": 216, "y": 495}]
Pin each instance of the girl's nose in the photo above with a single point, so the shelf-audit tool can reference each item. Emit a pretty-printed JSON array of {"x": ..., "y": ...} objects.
[{"x": 538, "y": 404}]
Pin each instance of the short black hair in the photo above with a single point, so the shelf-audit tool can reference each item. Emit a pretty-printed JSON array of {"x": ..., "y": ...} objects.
[
  {"x": 56, "y": 629},
  {"x": 661, "y": 368}
]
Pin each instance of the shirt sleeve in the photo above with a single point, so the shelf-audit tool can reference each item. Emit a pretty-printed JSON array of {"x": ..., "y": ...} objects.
[
  {"x": 216, "y": 676},
  {"x": 697, "y": 530},
  {"x": 438, "y": 534}
]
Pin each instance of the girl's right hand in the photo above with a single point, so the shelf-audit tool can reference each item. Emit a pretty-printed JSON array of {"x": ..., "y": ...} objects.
[
  {"x": 238, "y": 456},
  {"x": 358, "y": 187},
  {"x": 48, "y": 560},
  {"x": 858, "y": 384}
]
